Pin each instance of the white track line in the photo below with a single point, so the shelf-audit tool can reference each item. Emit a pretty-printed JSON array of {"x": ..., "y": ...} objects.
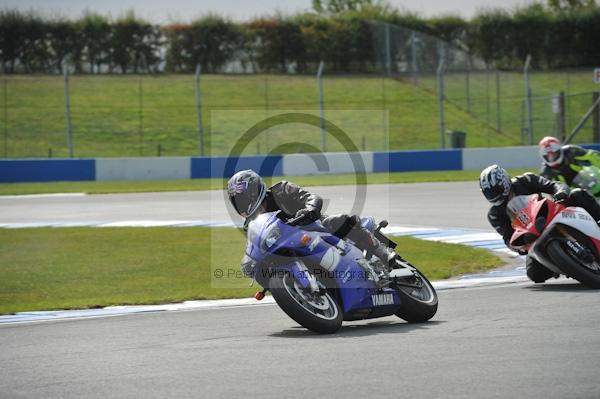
[{"x": 42, "y": 195}]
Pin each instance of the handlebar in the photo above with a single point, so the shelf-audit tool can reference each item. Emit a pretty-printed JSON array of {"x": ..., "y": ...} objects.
[{"x": 295, "y": 221}]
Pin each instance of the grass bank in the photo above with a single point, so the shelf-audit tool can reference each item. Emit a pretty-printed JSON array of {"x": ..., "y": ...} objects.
[{"x": 67, "y": 268}]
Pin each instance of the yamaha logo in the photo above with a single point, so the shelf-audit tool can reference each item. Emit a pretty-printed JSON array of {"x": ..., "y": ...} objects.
[{"x": 382, "y": 299}]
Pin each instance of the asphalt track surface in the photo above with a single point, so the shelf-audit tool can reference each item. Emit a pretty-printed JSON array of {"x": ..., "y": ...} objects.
[
  {"x": 431, "y": 204},
  {"x": 508, "y": 341}
]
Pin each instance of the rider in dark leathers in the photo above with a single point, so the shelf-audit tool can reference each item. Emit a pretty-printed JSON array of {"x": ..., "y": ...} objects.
[
  {"x": 248, "y": 195},
  {"x": 499, "y": 188}
]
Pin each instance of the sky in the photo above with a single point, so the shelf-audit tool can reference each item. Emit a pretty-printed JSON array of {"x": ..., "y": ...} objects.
[{"x": 165, "y": 11}]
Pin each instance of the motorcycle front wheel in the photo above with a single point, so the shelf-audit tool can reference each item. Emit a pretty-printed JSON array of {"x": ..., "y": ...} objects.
[
  {"x": 317, "y": 312},
  {"x": 419, "y": 299},
  {"x": 587, "y": 273}
]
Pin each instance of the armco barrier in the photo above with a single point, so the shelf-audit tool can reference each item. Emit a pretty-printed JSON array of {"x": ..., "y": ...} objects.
[
  {"x": 329, "y": 163},
  {"x": 43, "y": 170},
  {"x": 406, "y": 161},
  {"x": 215, "y": 167},
  {"x": 163, "y": 168},
  {"x": 507, "y": 157}
]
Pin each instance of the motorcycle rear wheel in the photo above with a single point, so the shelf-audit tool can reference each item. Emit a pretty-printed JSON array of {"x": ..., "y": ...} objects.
[
  {"x": 572, "y": 266},
  {"x": 418, "y": 304},
  {"x": 318, "y": 313}
]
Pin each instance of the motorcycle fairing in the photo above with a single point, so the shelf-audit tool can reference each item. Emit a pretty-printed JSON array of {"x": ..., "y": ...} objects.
[{"x": 337, "y": 258}]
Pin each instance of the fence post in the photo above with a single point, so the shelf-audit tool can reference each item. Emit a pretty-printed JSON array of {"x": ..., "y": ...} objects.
[
  {"x": 321, "y": 106},
  {"x": 388, "y": 55},
  {"x": 528, "y": 99},
  {"x": 440, "y": 82},
  {"x": 68, "y": 112},
  {"x": 266, "y": 135},
  {"x": 5, "y": 118},
  {"x": 199, "y": 111},
  {"x": 559, "y": 109},
  {"x": 488, "y": 111},
  {"x": 141, "y": 116},
  {"x": 596, "y": 123},
  {"x": 590, "y": 112},
  {"x": 468, "y": 86},
  {"x": 498, "y": 109},
  {"x": 383, "y": 115},
  {"x": 413, "y": 50}
]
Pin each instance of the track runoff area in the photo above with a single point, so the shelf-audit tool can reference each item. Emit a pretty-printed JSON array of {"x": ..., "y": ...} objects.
[
  {"x": 507, "y": 339},
  {"x": 123, "y": 205}
]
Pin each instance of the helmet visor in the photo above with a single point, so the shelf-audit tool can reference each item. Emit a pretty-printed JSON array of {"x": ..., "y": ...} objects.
[
  {"x": 552, "y": 156},
  {"x": 245, "y": 204},
  {"x": 496, "y": 195}
]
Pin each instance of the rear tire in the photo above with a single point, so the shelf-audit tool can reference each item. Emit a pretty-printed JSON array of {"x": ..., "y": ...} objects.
[
  {"x": 418, "y": 305},
  {"x": 318, "y": 313},
  {"x": 571, "y": 266}
]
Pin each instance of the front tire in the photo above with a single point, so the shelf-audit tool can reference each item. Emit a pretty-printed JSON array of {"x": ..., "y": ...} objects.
[
  {"x": 318, "y": 313},
  {"x": 418, "y": 304},
  {"x": 572, "y": 266}
]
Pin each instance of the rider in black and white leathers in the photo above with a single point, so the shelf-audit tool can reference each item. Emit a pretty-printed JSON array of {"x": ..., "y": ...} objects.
[{"x": 528, "y": 184}]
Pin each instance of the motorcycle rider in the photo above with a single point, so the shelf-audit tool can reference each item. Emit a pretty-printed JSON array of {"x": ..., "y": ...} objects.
[
  {"x": 498, "y": 188},
  {"x": 249, "y": 196},
  {"x": 563, "y": 163}
]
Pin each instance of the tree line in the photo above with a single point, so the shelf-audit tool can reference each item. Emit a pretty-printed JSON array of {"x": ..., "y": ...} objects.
[{"x": 558, "y": 34}]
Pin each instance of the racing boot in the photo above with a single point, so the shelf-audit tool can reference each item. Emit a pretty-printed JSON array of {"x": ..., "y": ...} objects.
[
  {"x": 377, "y": 276},
  {"x": 383, "y": 252}
]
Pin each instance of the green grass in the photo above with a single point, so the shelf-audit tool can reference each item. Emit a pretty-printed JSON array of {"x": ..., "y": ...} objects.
[
  {"x": 104, "y": 187},
  {"x": 132, "y": 115},
  {"x": 511, "y": 118},
  {"x": 66, "y": 268}
]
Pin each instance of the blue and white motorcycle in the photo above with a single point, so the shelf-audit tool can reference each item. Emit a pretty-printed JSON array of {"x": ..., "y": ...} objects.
[{"x": 319, "y": 280}]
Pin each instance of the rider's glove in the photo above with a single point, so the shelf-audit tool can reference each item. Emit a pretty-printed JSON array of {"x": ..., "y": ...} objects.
[
  {"x": 561, "y": 196},
  {"x": 307, "y": 216}
]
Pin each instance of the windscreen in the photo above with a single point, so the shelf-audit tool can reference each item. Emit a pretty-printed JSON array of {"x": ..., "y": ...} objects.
[
  {"x": 256, "y": 224},
  {"x": 587, "y": 178},
  {"x": 516, "y": 205}
]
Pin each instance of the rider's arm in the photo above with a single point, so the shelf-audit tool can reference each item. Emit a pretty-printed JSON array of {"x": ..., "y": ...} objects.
[
  {"x": 584, "y": 157},
  {"x": 547, "y": 172},
  {"x": 499, "y": 220},
  {"x": 291, "y": 197},
  {"x": 539, "y": 184}
]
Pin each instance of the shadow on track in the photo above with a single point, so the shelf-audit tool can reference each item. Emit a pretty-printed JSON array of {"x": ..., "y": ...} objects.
[
  {"x": 359, "y": 330},
  {"x": 562, "y": 286}
]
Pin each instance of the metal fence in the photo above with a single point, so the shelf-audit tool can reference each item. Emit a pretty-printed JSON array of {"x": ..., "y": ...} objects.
[
  {"x": 494, "y": 107},
  {"x": 422, "y": 89}
]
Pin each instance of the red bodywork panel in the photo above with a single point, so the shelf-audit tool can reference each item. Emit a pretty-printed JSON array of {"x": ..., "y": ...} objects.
[{"x": 524, "y": 222}]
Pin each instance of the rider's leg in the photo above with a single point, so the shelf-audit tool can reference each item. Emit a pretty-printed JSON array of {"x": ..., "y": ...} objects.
[
  {"x": 349, "y": 226},
  {"x": 536, "y": 272},
  {"x": 585, "y": 200}
]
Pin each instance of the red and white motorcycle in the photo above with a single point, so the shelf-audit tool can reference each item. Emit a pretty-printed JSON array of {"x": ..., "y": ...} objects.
[{"x": 566, "y": 240}]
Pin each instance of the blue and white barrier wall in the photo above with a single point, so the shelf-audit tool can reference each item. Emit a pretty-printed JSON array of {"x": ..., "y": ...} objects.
[{"x": 166, "y": 168}]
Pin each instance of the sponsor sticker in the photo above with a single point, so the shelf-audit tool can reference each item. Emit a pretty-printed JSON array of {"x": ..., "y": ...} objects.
[{"x": 382, "y": 299}]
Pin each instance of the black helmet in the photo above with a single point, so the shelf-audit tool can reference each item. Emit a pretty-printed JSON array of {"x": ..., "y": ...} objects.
[
  {"x": 246, "y": 191},
  {"x": 495, "y": 184}
]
